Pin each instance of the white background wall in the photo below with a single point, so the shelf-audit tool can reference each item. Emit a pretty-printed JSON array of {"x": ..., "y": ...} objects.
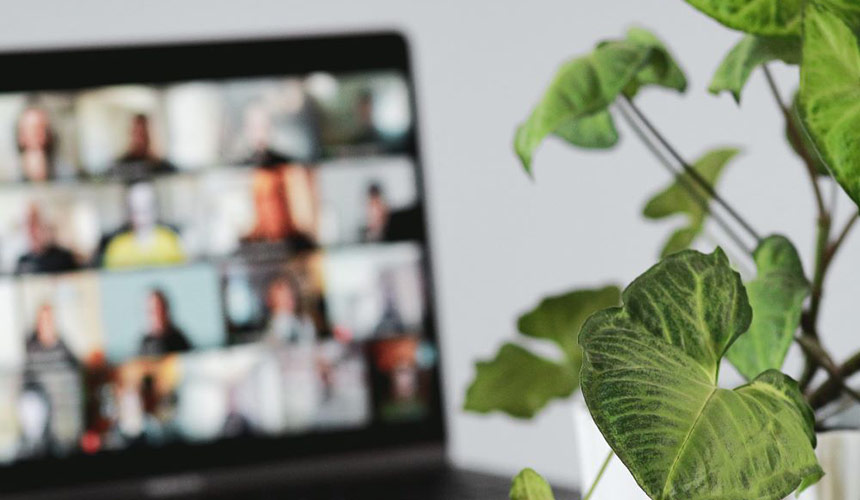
[{"x": 500, "y": 240}]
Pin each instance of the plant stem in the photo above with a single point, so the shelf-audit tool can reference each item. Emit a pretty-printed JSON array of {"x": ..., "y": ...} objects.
[
  {"x": 821, "y": 246},
  {"x": 813, "y": 349},
  {"x": 692, "y": 172},
  {"x": 797, "y": 138},
  {"x": 677, "y": 175},
  {"x": 599, "y": 475},
  {"x": 837, "y": 243},
  {"x": 809, "y": 320},
  {"x": 832, "y": 388}
]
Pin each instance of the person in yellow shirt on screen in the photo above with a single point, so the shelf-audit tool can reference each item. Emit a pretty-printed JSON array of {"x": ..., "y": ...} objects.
[{"x": 146, "y": 242}]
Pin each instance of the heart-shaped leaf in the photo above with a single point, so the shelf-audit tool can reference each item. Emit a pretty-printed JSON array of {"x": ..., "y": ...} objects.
[
  {"x": 520, "y": 383},
  {"x": 529, "y": 485},
  {"x": 751, "y": 52},
  {"x": 574, "y": 107},
  {"x": 758, "y": 17},
  {"x": 595, "y": 131},
  {"x": 830, "y": 95},
  {"x": 661, "y": 70},
  {"x": 773, "y": 17},
  {"x": 649, "y": 378},
  {"x": 677, "y": 199},
  {"x": 560, "y": 318},
  {"x": 776, "y": 297},
  {"x": 847, "y": 10}
]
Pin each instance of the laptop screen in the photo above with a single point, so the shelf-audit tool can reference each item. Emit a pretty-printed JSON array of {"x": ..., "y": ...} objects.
[{"x": 204, "y": 265}]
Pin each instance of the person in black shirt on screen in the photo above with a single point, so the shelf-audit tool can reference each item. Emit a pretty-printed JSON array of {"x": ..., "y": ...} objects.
[
  {"x": 43, "y": 255},
  {"x": 385, "y": 224},
  {"x": 163, "y": 336},
  {"x": 139, "y": 162}
]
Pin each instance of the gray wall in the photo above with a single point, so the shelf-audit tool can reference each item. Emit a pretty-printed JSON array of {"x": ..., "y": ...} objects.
[{"x": 502, "y": 241}]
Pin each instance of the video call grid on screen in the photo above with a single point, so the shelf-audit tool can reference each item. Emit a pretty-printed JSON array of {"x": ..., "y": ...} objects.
[{"x": 218, "y": 259}]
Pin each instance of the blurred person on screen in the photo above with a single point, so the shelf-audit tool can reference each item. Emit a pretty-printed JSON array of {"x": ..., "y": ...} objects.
[
  {"x": 385, "y": 224},
  {"x": 46, "y": 350},
  {"x": 398, "y": 377},
  {"x": 162, "y": 335},
  {"x": 258, "y": 134},
  {"x": 390, "y": 321},
  {"x": 143, "y": 241},
  {"x": 36, "y": 144},
  {"x": 139, "y": 161},
  {"x": 158, "y": 411},
  {"x": 274, "y": 220},
  {"x": 52, "y": 366},
  {"x": 34, "y": 415},
  {"x": 366, "y": 132},
  {"x": 288, "y": 320},
  {"x": 43, "y": 254}
]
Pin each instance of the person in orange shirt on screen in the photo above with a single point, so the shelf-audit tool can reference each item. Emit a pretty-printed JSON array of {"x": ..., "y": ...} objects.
[{"x": 146, "y": 242}]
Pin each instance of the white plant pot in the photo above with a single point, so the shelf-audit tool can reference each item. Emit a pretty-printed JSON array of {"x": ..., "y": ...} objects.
[
  {"x": 839, "y": 455},
  {"x": 838, "y": 452}
]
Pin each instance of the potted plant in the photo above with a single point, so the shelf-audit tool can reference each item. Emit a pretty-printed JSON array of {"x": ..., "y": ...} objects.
[{"x": 648, "y": 359}]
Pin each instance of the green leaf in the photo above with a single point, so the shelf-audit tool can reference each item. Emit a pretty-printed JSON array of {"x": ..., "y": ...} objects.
[
  {"x": 582, "y": 87},
  {"x": 559, "y": 318},
  {"x": 776, "y": 297},
  {"x": 751, "y": 52},
  {"x": 529, "y": 485},
  {"x": 757, "y": 17},
  {"x": 830, "y": 95},
  {"x": 574, "y": 107},
  {"x": 800, "y": 141},
  {"x": 519, "y": 383},
  {"x": 773, "y": 17},
  {"x": 662, "y": 70},
  {"x": 847, "y": 10},
  {"x": 677, "y": 199},
  {"x": 595, "y": 131},
  {"x": 649, "y": 378}
]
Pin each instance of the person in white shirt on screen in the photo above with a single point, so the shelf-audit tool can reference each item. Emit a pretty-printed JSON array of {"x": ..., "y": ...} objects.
[{"x": 145, "y": 242}]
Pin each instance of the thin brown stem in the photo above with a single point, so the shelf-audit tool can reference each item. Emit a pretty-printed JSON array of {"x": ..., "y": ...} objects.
[
  {"x": 837, "y": 243},
  {"x": 823, "y": 259},
  {"x": 695, "y": 194},
  {"x": 796, "y": 136},
  {"x": 692, "y": 172},
  {"x": 812, "y": 348},
  {"x": 809, "y": 320},
  {"x": 832, "y": 388}
]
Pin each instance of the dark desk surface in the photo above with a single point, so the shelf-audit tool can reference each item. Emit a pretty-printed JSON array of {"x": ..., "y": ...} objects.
[{"x": 443, "y": 484}]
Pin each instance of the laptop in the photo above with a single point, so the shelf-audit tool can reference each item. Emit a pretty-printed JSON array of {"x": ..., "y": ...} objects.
[{"x": 215, "y": 276}]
